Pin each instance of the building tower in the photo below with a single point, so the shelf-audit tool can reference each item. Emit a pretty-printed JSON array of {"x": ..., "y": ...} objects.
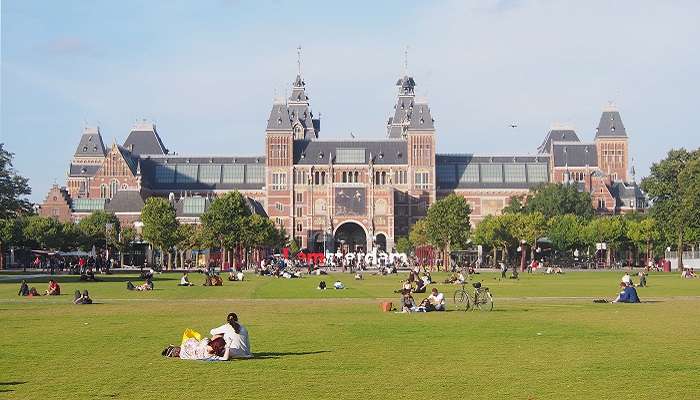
[
  {"x": 612, "y": 144},
  {"x": 87, "y": 159}
]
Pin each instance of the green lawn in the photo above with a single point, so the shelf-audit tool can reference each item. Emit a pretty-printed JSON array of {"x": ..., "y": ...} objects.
[{"x": 545, "y": 339}]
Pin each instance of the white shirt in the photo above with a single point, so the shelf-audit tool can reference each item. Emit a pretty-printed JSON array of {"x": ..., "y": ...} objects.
[
  {"x": 184, "y": 281},
  {"x": 626, "y": 279},
  {"x": 338, "y": 285},
  {"x": 438, "y": 299},
  {"x": 238, "y": 343}
]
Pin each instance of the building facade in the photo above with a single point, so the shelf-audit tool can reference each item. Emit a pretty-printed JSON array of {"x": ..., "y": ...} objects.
[{"x": 341, "y": 194}]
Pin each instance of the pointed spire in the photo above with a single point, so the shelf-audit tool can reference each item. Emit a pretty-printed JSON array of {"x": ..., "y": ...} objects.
[
  {"x": 405, "y": 61},
  {"x": 299, "y": 60}
]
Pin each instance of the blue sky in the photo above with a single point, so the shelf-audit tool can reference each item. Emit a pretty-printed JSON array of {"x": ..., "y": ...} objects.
[{"x": 206, "y": 72}]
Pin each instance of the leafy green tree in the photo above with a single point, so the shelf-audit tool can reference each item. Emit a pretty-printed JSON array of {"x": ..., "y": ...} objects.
[
  {"x": 610, "y": 230},
  {"x": 673, "y": 191},
  {"x": 226, "y": 219},
  {"x": 13, "y": 188},
  {"x": 447, "y": 224},
  {"x": 187, "y": 240},
  {"x": 10, "y": 235},
  {"x": 160, "y": 224},
  {"x": 404, "y": 245},
  {"x": 418, "y": 236},
  {"x": 559, "y": 199},
  {"x": 565, "y": 232},
  {"x": 43, "y": 232},
  {"x": 515, "y": 205},
  {"x": 124, "y": 242},
  {"x": 95, "y": 229},
  {"x": 71, "y": 237},
  {"x": 644, "y": 232},
  {"x": 528, "y": 228},
  {"x": 485, "y": 234}
]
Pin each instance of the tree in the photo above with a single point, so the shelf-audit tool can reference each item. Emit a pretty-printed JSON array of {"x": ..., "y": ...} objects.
[
  {"x": 610, "y": 230},
  {"x": 13, "y": 188},
  {"x": 673, "y": 194},
  {"x": 160, "y": 224},
  {"x": 43, "y": 232},
  {"x": 559, "y": 199},
  {"x": 447, "y": 224},
  {"x": 528, "y": 228},
  {"x": 644, "y": 232},
  {"x": 485, "y": 234},
  {"x": 72, "y": 237},
  {"x": 187, "y": 240},
  {"x": 95, "y": 229},
  {"x": 515, "y": 205},
  {"x": 226, "y": 219},
  {"x": 10, "y": 235},
  {"x": 124, "y": 242},
  {"x": 404, "y": 245},
  {"x": 418, "y": 236},
  {"x": 565, "y": 231}
]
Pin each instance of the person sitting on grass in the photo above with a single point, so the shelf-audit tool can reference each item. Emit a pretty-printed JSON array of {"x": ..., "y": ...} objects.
[
  {"x": 185, "y": 281},
  {"x": 23, "y": 289},
  {"x": 235, "y": 335},
  {"x": 54, "y": 289},
  {"x": 234, "y": 276},
  {"x": 408, "y": 304},
  {"x": 420, "y": 286},
  {"x": 437, "y": 300},
  {"x": 627, "y": 295},
  {"x": 321, "y": 285},
  {"x": 358, "y": 276},
  {"x": 205, "y": 349},
  {"x": 338, "y": 285},
  {"x": 83, "y": 298},
  {"x": 627, "y": 279},
  {"x": 642, "y": 279},
  {"x": 88, "y": 275}
]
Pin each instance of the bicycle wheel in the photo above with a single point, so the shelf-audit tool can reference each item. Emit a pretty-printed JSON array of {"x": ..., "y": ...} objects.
[
  {"x": 485, "y": 301},
  {"x": 461, "y": 298}
]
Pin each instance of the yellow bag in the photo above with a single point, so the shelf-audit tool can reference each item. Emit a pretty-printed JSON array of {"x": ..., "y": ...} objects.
[{"x": 190, "y": 334}]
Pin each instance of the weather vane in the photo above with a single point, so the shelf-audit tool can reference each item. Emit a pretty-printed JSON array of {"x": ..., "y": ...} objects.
[{"x": 299, "y": 59}]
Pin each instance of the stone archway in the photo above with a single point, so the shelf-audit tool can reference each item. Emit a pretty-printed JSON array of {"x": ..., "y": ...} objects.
[
  {"x": 350, "y": 237},
  {"x": 380, "y": 242}
]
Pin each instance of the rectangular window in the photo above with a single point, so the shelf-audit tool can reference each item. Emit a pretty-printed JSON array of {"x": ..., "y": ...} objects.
[
  {"x": 279, "y": 221},
  {"x": 300, "y": 212},
  {"x": 492, "y": 173},
  {"x": 350, "y": 156},
  {"x": 537, "y": 173},
  {"x": 300, "y": 227},
  {"x": 300, "y": 197},
  {"x": 193, "y": 205},
  {"x": 468, "y": 173},
  {"x": 422, "y": 180},
  {"x": 446, "y": 173},
  {"x": 233, "y": 173},
  {"x": 279, "y": 181},
  {"x": 300, "y": 177},
  {"x": 165, "y": 173},
  {"x": 514, "y": 172},
  {"x": 186, "y": 173},
  {"x": 279, "y": 207},
  {"x": 255, "y": 173},
  {"x": 210, "y": 173}
]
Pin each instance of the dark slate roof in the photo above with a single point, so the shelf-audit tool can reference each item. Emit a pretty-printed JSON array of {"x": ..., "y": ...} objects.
[
  {"x": 421, "y": 118},
  {"x": 574, "y": 154},
  {"x": 279, "y": 118},
  {"x": 626, "y": 191},
  {"x": 90, "y": 144},
  {"x": 125, "y": 201},
  {"x": 77, "y": 170},
  {"x": 256, "y": 207},
  {"x": 409, "y": 113},
  {"x": 148, "y": 166},
  {"x": 557, "y": 135},
  {"x": 130, "y": 158},
  {"x": 145, "y": 140},
  {"x": 610, "y": 125},
  {"x": 453, "y": 163},
  {"x": 383, "y": 152}
]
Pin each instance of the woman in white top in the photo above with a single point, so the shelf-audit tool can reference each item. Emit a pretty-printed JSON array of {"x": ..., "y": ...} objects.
[{"x": 236, "y": 337}]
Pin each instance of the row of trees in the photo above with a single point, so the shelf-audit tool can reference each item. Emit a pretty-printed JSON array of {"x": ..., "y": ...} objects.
[{"x": 227, "y": 224}]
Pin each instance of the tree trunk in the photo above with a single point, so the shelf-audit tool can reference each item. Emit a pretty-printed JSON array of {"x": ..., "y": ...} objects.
[
  {"x": 680, "y": 249},
  {"x": 495, "y": 255},
  {"x": 2, "y": 256},
  {"x": 522, "y": 257}
]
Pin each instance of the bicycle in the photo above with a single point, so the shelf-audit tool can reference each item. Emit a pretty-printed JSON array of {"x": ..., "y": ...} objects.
[{"x": 481, "y": 299}]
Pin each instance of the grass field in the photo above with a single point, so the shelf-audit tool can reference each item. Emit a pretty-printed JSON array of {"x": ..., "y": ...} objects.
[{"x": 545, "y": 339}]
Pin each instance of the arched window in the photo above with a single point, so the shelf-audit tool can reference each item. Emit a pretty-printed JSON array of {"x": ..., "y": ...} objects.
[
  {"x": 345, "y": 177},
  {"x": 323, "y": 177},
  {"x": 316, "y": 177},
  {"x": 383, "y": 178},
  {"x": 357, "y": 174},
  {"x": 103, "y": 191},
  {"x": 376, "y": 178}
]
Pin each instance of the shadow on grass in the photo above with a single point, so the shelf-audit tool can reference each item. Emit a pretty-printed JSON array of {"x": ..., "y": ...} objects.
[
  {"x": 12, "y": 383},
  {"x": 266, "y": 355}
]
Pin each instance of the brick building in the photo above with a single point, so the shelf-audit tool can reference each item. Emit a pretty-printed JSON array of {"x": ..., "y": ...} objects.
[{"x": 340, "y": 193}]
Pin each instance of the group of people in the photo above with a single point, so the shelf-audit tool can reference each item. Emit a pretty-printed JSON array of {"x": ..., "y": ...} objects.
[
  {"x": 688, "y": 273},
  {"x": 227, "y": 342},
  {"x": 337, "y": 285},
  {"x": 54, "y": 289},
  {"x": 434, "y": 302}
]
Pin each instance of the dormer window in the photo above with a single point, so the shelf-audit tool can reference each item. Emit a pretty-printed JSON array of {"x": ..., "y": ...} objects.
[
  {"x": 320, "y": 155},
  {"x": 84, "y": 149},
  {"x": 90, "y": 139},
  {"x": 612, "y": 129}
]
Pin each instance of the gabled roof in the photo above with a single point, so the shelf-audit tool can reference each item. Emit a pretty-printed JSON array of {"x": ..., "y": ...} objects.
[
  {"x": 90, "y": 144},
  {"x": 610, "y": 125},
  {"x": 279, "y": 119},
  {"x": 144, "y": 139},
  {"x": 130, "y": 158},
  {"x": 574, "y": 154},
  {"x": 557, "y": 135},
  {"x": 125, "y": 200}
]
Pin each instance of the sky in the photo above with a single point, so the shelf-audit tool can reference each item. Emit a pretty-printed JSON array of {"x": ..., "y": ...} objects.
[{"x": 206, "y": 72}]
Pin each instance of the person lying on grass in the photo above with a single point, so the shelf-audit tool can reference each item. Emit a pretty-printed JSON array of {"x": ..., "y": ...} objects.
[
  {"x": 148, "y": 285},
  {"x": 83, "y": 298},
  {"x": 627, "y": 295},
  {"x": 408, "y": 304},
  {"x": 235, "y": 276},
  {"x": 205, "y": 349},
  {"x": 338, "y": 285},
  {"x": 235, "y": 335},
  {"x": 54, "y": 289},
  {"x": 185, "y": 281}
]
